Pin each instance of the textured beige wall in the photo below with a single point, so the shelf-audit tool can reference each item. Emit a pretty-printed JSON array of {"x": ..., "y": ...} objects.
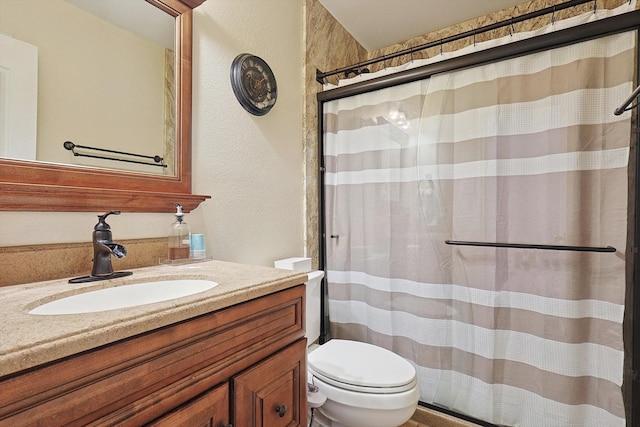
[{"x": 251, "y": 166}]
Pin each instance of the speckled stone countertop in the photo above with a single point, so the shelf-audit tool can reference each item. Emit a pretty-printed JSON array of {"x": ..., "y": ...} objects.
[{"x": 28, "y": 340}]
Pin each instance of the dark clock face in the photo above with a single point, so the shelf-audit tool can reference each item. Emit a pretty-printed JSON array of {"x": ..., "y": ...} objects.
[{"x": 253, "y": 84}]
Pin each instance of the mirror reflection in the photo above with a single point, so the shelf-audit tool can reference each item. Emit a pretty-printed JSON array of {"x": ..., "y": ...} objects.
[{"x": 94, "y": 72}]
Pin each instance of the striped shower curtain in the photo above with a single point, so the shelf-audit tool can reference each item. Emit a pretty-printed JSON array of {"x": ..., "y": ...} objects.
[{"x": 524, "y": 151}]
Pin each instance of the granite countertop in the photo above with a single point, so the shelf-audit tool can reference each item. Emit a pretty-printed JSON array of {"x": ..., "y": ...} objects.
[{"x": 28, "y": 340}]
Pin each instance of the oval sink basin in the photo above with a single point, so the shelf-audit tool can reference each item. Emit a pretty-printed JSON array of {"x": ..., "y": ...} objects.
[{"x": 124, "y": 296}]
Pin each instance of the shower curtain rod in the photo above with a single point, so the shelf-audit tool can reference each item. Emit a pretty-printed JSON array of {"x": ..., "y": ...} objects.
[{"x": 356, "y": 68}]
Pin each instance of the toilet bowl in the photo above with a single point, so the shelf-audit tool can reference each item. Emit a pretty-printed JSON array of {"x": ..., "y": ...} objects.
[
  {"x": 359, "y": 384},
  {"x": 365, "y": 385}
]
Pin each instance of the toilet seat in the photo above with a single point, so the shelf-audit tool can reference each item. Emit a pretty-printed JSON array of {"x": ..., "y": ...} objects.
[{"x": 361, "y": 367}]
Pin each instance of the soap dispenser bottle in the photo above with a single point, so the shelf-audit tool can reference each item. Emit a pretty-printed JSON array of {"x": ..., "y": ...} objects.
[{"x": 179, "y": 237}]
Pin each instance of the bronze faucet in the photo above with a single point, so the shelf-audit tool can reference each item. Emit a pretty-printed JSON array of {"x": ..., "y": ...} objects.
[{"x": 103, "y": 248}]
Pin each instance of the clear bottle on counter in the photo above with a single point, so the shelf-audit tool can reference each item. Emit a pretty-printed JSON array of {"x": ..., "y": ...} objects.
[{"x": 179, "y": 237}]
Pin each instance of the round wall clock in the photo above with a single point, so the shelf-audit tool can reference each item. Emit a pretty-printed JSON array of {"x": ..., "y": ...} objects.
[{"x": 253, "y": 84}]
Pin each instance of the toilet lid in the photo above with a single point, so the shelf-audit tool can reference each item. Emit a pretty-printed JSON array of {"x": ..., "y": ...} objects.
[{"x": 357, "y": 365}]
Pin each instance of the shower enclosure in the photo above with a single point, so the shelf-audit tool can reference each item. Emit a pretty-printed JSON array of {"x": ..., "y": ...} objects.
[{"x": 476, "y": 222}]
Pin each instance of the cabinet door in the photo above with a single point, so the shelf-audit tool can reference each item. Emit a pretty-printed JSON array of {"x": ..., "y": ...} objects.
[
  {"x": 209, "y": 410},
  {"x": 273, "y": 392}
]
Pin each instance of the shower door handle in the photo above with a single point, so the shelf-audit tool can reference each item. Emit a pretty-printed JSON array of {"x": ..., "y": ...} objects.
[{"x": 530, "y": 246}]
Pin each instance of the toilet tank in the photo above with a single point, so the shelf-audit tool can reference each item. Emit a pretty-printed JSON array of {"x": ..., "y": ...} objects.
[
  {"x": 313, "y": 304},
  {"x": 313, "y": 297}
]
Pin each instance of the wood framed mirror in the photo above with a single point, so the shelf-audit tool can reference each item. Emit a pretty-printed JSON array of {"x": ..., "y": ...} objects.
[{"x": 38, "y": 186}]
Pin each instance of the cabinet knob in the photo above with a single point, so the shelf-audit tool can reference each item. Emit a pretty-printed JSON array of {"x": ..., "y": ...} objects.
[{"x": 281, "y": 410}]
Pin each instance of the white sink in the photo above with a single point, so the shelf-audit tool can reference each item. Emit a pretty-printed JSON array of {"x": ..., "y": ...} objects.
[{"x": 124, "y": 296}]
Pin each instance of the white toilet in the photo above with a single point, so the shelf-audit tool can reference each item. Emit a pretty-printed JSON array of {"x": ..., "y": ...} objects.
[{"x": 365, "y": 385}]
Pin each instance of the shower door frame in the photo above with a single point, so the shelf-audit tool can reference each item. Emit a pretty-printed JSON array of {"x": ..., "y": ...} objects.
[{"x": 617, "y": 24}]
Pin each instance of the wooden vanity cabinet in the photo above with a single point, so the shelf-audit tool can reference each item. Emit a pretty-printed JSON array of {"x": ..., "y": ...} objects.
[{"x": 243, "y": 366}]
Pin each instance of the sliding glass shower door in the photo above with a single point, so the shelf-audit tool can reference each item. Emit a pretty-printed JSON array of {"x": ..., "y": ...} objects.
[{"x": 476, "y": 224}]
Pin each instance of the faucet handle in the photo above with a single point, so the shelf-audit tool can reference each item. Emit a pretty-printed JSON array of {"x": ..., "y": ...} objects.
[{"x": 102, "y": 225}]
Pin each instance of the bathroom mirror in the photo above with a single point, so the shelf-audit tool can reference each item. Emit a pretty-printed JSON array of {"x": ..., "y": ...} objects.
[
  {"x": 94, "y": 72},
  {"x": 40, "y": 186}
]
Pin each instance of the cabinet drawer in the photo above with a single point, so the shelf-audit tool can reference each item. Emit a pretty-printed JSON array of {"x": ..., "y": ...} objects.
[
  {"x": 273, "y": 393},
  {"x": 208, "y": 410}
]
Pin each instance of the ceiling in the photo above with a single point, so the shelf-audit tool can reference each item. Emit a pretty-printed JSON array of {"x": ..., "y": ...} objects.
[{"x": 379, "y": 23}]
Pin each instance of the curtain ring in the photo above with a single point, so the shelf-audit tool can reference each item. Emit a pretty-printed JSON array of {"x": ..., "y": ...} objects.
[
  {"x": 440, "y": 46},
  {"x": 595, "y": 6},
  {"x": 411, "y": 53},
  {"x": 511, "y": 28},
  {"x": 384, "y": 61},
  {"x": 474, "y": 37},
  {"x": 553, "y": 15}
]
